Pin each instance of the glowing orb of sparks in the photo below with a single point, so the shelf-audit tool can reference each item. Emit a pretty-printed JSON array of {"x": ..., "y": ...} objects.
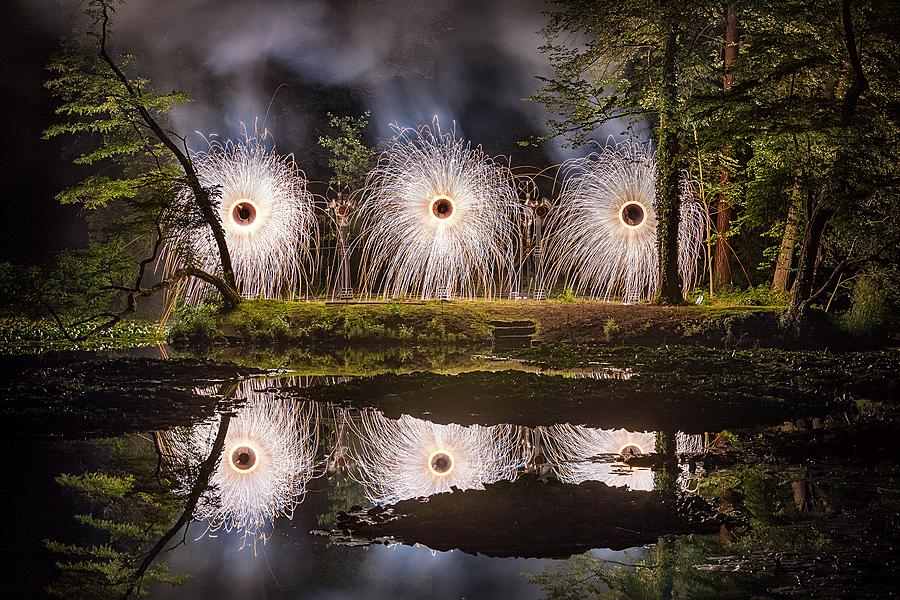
[
  {"x": 440, "y": 463},
  {"x": 601, "y": 240},
  {"x": 438, "y": 219},
  {"x": 267, "y": 214},
  {"x": 268, "y": 459},
  {"x": 410, "y": 458}
]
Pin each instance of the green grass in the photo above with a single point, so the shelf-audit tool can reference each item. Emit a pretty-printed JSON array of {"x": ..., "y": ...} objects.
[
  {"x": 760, "y": 296},
  {"x": 266, "y": 321},
  {"x": 20, "y": 335},
  {"x": 262, "y": 322}
]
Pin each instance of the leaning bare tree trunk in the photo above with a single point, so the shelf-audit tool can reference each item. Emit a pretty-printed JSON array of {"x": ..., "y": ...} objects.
[
  {"x": 788, "y": 244},
  {"x": 725, "y": 213},
  {"x": 201, "y": 195},
  {"x": 668, "y": 192},
  {"x": 200, "y": 485},
  {"x": 818, "y": 216}
]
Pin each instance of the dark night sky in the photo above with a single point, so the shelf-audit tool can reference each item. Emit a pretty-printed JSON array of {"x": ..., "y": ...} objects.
[
  {"x": 31, "y": 170},
  {"x": 468, "y": 61}
]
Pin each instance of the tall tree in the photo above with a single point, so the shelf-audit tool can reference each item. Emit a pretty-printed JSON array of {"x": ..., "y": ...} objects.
[
  {"x": 722, "y": 262},
  {"x": 139, "y": 163}
]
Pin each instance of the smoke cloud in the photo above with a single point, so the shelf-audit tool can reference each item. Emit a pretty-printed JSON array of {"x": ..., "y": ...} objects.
[
  {"x": 283, "y": 64},
  {"x": 406, "y": 61}
]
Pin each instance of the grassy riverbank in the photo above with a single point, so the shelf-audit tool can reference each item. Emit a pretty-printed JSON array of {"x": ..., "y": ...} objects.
[{"x": 470, "y": 323}]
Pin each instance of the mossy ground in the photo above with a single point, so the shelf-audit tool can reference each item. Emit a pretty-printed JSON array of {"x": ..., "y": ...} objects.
[{"x": 469, "y": 323}]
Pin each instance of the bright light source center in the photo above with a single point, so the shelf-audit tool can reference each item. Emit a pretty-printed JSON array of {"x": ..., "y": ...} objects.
[
  {"x": 440, "y": 463},
  {"x": 632, "y": 214},
  {"x": 243, "y": 458},
  {"x": 442, "y": 207},
  {"x": 243, "y": 212},
  {"x": 629, "y": 450}
]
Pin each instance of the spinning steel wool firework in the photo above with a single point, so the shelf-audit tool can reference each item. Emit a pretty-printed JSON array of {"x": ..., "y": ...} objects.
[
  {"x": 269, "y": 457},
  {"x": 268, "y": 217},
  {"x": 603, "y": 234},
  {"x": 438, "y": 219},
  {"x": 408, "y": 458},
  {"x": 576, "y": 453}
]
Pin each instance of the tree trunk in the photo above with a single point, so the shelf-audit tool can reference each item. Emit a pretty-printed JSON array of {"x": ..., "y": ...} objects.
[
  {"x": 722, "y": 252},
  {"x": 836, "y": 182},
  {"x": 201, "y": 194},
  {"x": 668, "y": 191},
  {"x": 817, "y": 218},
  {"x": 200, "y": 485},
  {"x": 788, "y": 245},
  {"x": 722, "y": 262}
]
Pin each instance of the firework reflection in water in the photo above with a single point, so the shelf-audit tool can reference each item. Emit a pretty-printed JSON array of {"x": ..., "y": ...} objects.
[
  {"x": 267, "y": 462},
  {"x": 576, "y": 453},
  {"x": 266, "y": 211},
  {"x": 602, "y": 235},
  {"x": 410, "y": 458},
  {"x": 438, "y": 219}
]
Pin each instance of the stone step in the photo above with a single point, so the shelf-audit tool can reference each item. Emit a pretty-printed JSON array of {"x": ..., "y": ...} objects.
[
  {"x": 518, "y": 330},
  {"x": 513, "y": 341},
  {"x": 522, "y": 323}
]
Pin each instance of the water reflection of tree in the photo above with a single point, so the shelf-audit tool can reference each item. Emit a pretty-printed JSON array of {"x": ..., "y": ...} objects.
[
  {"x": 775, "y": 544},
  {"x": 666, "y": 570},
  {"x": 135, "y": 517}
]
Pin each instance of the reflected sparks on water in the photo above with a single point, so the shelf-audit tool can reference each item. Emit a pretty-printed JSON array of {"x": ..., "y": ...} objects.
[
  {"x": 267, "y": 462},
  {"x": 273, "y": 450},
  {"x": 575, "y": 454},
  {"x": 408, "y": 458}
]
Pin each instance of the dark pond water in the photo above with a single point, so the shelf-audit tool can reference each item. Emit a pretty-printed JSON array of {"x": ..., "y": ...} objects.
[{"x": 453, "y": 475}]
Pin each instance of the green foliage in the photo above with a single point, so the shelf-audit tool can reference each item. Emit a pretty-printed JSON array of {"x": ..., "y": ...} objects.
[
  {"x": 875, "y": 298},
  {"x": 610, "y": 328},
  {"x": 77, "y": 287},
  {"x": 76, "y": 283},
  {"x": 96, "y": 104},
  {"x": 195, "y": 322},
  {"x": 266, "y": 321},
  {"x": 613, "y": 69},
  {"x": 568, "y": 295},
  {"x": 98, "y": 486},
  {"x": 793, "y": 131},
  {"x": 21, "y": 335},
  {"x": 349, "y": 157},
  {"x": 665, "y": 570},
  {"x": 761, "y": 295},
  {"x": 129, "y": 510}
]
